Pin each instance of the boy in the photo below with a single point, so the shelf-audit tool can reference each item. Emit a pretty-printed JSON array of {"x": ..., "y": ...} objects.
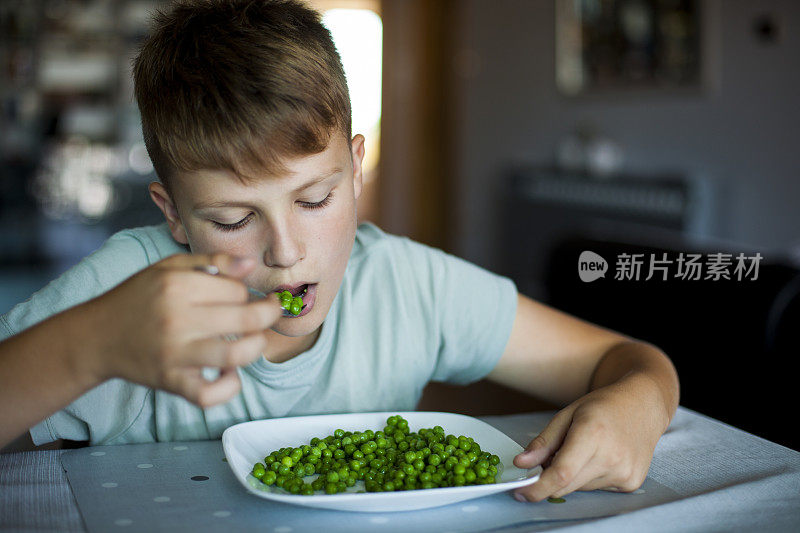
[{"x": 246, "y": 117}]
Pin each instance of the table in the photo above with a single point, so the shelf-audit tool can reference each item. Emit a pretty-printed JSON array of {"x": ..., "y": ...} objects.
[{"x": 712, "y": 477}]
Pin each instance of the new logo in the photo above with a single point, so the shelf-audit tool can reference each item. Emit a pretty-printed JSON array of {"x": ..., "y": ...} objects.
[{"x": 591, "y": 266}]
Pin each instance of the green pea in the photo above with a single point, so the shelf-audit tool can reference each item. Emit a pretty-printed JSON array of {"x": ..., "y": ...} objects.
[{"x": 386, "y": 460}]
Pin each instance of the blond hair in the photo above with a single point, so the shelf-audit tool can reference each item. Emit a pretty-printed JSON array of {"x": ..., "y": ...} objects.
[{"x": 238, "y": 85}]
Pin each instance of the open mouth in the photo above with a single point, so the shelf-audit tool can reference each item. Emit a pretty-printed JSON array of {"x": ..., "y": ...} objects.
[
  {"x": 300, "y": 291},
  {"x": 307, "y": 292}
]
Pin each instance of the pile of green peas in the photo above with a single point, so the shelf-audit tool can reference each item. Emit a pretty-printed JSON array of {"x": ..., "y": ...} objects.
[
  {"x": 293, "y": 304},
  {"x": 390, "y": 460}
]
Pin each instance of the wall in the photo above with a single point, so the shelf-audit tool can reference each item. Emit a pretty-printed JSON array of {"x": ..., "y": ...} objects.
[{"x": 744, "y": 136}]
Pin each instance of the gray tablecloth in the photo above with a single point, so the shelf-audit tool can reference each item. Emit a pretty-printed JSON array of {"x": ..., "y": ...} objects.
[{"x": 721, "y": 479}]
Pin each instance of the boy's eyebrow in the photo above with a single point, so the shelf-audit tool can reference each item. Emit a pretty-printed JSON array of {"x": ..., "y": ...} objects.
[
  {"x": 321, "y": 177},
  {"x": 314, "y": 181}
]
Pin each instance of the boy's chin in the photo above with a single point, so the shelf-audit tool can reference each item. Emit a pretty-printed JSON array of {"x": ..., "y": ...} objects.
[{"x": 296, "y": 327}]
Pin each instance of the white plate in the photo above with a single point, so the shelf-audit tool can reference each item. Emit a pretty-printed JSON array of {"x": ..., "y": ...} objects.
[{"x": 248, "y": 443}]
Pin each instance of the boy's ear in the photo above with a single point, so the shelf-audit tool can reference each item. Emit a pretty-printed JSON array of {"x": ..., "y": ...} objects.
[
  {"x": 164, "y": 202},
  {"x": 358, "y": 159}
]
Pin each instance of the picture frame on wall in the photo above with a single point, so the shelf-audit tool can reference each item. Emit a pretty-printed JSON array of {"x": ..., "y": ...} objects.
[{"x": 635, "y": 46}]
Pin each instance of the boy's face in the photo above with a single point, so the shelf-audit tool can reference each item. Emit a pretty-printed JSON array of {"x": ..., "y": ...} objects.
[{"x": 301, "y": 226}]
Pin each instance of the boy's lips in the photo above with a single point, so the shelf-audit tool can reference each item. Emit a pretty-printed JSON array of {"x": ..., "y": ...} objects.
[
  {"x": 294, "y": 289},
  {"x": 308, "y": 298}
]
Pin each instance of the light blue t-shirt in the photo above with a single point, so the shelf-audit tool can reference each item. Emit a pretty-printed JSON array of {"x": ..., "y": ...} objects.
[{"x": 438, "y": 318}]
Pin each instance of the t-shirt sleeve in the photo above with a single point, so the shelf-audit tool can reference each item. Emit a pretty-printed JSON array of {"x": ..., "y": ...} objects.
[
  {"x": 467, "y": 311},
  {"x": 121, "y": 256}
]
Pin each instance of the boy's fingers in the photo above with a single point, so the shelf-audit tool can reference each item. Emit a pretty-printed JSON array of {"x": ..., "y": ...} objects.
[
  {"x": 590, "y": 473},
  {"x": 572, "y": 459},
  {"x": 184, "y": 381},
  {"x": 216, "y": 289},
  {"x": 215, "y": 264},
  {"x": 217, "y": 320},
  {"x": 598, "y": 482},
  {"x": 190, "y": 384},
  {"x": 546, "y": 443},
  {"x": 219, "y": 352},
  {"x": 221, "y": 390}
]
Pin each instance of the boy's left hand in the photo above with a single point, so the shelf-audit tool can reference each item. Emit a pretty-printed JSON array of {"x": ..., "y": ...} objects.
[{"x": 603, "y": 440}]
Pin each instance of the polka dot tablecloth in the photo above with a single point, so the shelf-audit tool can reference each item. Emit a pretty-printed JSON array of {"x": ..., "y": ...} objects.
[
  {"x": 189, "y": 487},
  {"x": 719, "y": 478}
]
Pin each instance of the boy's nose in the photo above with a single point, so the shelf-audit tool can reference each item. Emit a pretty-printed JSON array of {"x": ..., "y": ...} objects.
[{"x": 283, "y": 249}]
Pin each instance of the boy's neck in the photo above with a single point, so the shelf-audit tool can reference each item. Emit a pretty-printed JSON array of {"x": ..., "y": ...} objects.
[{"x": 281, "y": 348}]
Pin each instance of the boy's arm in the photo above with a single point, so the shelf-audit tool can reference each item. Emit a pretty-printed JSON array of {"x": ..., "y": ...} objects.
[
  {"x": 42, "y": 370},
  {"x": 158, "y": 329},
  {"x": 620, "y": 395}
]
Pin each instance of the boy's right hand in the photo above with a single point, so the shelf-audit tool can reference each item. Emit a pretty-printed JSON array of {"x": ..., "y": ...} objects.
[{"x": 160, "y": 327}]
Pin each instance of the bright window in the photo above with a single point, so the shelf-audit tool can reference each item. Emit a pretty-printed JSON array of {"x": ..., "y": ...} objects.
[{"x": 358, "y": 36}]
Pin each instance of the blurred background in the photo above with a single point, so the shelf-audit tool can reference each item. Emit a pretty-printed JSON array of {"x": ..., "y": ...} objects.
[{"x": 512, "y": 133}]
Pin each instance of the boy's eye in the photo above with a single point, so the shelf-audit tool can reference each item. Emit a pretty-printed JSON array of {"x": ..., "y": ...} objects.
[
  {"x": 242, "y": 223},
  {"x": 318, "y": 205},
  {"x": 233, "y": 227}
]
